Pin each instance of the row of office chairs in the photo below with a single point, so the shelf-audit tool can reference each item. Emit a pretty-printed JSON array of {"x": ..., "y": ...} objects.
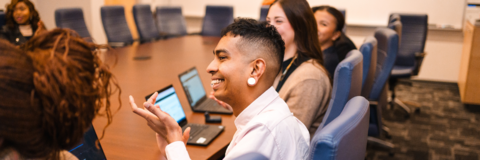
[
  {"x": 382, "y": 58},
  {"x": 373, "y": 63},
  {"x": 168, "y": 22}
]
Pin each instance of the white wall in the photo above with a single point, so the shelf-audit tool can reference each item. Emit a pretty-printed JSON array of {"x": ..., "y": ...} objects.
[
  {"x": 97, "y": 32},
  {"x": 241, "y": 8},
  {"x": 359, "y": 12}
]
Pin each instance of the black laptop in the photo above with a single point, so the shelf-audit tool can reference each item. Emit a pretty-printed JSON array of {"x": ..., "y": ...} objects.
[
  {"x": 200, "y": 134},
  {"x": 87, "y": 150},
  {"x": 193, "y": 87}
]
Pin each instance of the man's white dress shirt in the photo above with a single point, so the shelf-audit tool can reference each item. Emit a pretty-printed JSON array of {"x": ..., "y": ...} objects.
[{"x": 265, "y": 127}]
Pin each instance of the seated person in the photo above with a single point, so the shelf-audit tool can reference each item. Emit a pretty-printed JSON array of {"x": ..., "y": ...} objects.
[
  {"x": 23, "y": 22},
  {"x": 49, "y": 96},
  {"x": 334, "y": 43},
  {"x": 303, "y": 81},
  {"x": 247, "y": 60}
]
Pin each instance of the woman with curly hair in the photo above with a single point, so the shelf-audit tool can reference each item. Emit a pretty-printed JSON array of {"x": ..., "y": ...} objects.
[
  {"x": 51, "y": 89},
  {"x": 23, "y": 22}
]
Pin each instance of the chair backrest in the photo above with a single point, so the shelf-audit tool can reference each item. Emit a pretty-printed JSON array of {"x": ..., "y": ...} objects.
[
  {"x": 347, "y": 83},
  {"x": 397, "y": 27},
  {"x": 346, "y": 136},
  {"x": 414, "y": 35},
  {"x": 264, "y": 12},
  {"x": 146, "y": 28},
  {"x": 216, "y": 18},
  {"x": 72, "y": 18},
  {"x": 170, "y": 21},
  {"x": 393, "y": 17},
  {"x": 387, "y": 50},
  {"x": 369, "y": 52},
  {"x": 3, "y": 20},
  {"x": 115, "y": 26}
]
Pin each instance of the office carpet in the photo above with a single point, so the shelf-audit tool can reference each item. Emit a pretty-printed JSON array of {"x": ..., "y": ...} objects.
[{"x": 443, "y": 129}]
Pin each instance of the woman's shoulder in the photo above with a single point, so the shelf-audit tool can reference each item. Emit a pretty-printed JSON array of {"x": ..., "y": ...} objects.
[{"x": 310, "y": 69}]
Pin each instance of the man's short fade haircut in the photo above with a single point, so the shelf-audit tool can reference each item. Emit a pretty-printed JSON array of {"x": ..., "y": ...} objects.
[{"x": 260, "y": 35}]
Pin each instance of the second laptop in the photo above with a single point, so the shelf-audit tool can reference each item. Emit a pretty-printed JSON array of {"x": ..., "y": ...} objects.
[{"x": 196, "y": 95}]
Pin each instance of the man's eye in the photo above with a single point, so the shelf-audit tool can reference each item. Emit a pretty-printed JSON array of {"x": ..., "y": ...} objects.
[
  {"x": 222, "y": 58},
  {"x": 279, "y": 21}
]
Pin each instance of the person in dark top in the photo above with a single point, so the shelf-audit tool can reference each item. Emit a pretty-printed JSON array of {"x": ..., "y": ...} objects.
[
  {"x": 22, "y": 22},
  {"x": 334, "y": 43}
]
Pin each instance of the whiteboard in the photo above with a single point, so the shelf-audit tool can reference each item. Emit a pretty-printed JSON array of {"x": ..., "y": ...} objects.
[
  {"x": 359, "y": 12},
  {"x": 376, "y": 12}
]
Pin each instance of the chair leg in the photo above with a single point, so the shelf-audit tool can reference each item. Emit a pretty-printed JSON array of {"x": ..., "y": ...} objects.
[
  {"x": 381, "y": 143},
  {"x": 403, "y": 106},
  {"x": 386, "y": 130}
]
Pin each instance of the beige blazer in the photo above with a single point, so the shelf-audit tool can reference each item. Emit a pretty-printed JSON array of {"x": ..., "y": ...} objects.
[{"x": 307, "y": 93}]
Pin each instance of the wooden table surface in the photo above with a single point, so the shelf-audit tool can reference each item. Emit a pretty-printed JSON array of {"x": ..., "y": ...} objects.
[{"x": 129, "y": 136}]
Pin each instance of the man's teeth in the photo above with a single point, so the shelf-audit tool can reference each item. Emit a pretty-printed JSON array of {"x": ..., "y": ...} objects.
[{"x": 216, "y": 81}]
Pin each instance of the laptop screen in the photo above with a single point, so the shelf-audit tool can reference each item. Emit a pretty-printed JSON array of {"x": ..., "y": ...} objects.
[
  {"x": 168, "y": 101},
  {"x": 87, "y": 150},
  {"x": 193, "y": 86}
]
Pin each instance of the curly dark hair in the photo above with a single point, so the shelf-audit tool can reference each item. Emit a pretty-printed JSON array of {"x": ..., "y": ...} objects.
[
  {"x": 35, "y": 17},
  {"x": 260, "y": 36},
  {"x": 51, "y": 88}
]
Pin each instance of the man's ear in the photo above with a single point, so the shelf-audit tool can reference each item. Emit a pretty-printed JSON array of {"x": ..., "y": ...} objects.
[
  {"x": 336, "y": 35},
  {"x": 258, "y": 67}
]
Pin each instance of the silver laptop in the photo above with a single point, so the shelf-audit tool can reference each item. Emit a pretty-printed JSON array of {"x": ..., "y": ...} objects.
[
  {"x": 199, "y": 102},
  {"x": 200, "y": 134}
]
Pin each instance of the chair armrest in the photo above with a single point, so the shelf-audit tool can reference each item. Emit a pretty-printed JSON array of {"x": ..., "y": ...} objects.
[
  {"x": 420, "y": 54},
  {"x": 375, "y": 103}
]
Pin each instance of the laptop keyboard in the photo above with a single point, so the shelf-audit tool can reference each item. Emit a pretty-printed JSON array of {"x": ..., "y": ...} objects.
[{"x": 195, "y": 129}]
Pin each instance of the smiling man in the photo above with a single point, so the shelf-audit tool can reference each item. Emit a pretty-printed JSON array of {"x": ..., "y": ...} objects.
[{"x": 247, "y": 60}]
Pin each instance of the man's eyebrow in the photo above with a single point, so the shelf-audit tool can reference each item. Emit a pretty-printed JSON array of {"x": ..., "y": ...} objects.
[{"x": 218, "y": 51}]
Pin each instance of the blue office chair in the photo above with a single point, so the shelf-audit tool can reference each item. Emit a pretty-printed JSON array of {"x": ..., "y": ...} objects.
[
  {"x": 411, "y": 51},
  {"x": 216, "y": 18},
  {"x": 387, "y": 49},
  {"x": 346, "y": 136},
  {"x": 347, "y": 83},
  {"x": 264, "y": 12},
  {"x": 3, "y": 21},
  {"x": 146, "y": 28},
  {"x": 369, "y": 52},
  {"x": 397, "y": 27},
  {"x": 170, "y": 21},
  {"x": 393, "y": 17},
  {"x": 72, "y": 18},
  {"x": 115, "y": 26}
]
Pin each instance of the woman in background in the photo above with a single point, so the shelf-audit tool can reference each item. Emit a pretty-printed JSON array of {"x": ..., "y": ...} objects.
[
  {"x": 303, "y": 81},
  {"x": 334, "y": 43},
  {"x": 23, "y": 22},
  {"x": 51, "y": 89}
]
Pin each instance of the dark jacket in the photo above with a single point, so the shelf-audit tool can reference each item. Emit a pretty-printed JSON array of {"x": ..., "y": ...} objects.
[
  {"x": 14, "y": 36},
  {"x": 333, "y": 55}
]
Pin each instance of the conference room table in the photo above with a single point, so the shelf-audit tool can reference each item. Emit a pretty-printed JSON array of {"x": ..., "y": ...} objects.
[{"x": 141, "y": 69}]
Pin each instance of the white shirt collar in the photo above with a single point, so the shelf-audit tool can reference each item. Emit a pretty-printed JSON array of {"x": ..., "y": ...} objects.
[{"x": 255, "y": 107}]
